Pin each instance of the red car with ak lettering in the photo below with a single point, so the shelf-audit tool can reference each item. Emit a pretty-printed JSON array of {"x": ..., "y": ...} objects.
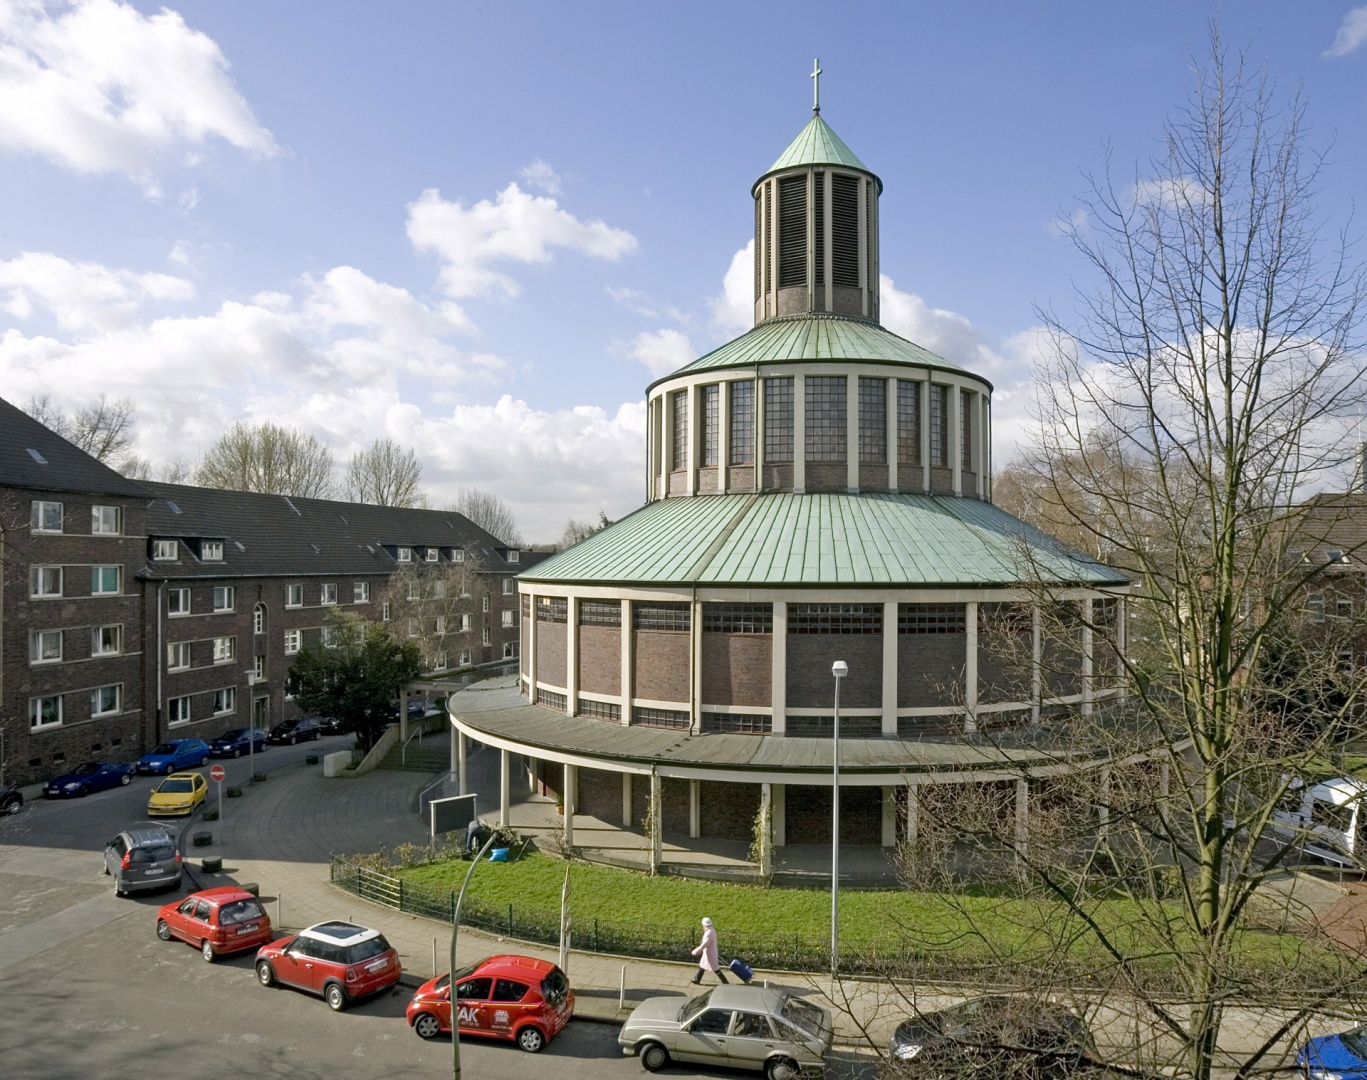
[{"x": 517, "y": 998}]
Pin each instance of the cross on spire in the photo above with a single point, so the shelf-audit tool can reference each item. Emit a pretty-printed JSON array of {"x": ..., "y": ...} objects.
[{"x": 816, "y": 87}]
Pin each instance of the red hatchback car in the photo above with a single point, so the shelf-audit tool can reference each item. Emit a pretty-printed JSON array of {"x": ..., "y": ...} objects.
[
  {"x": 518, "y": 998},
  {"x": 216, "y": 921},
  {"x": 338, "y": 960}
]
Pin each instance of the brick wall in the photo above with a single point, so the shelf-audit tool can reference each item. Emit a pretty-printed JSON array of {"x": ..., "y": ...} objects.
[
  {"x": 777, "y": 477},
  {"x": 910, "y": 478},
  {"x": 941, "y": 480},
  {"x": 707, "y": 478},
  {"x": 810, "y": 683},
  {"x": 673, "y": 803},
  {"x": 741, "y": 477},
  {"x": 874, "y": 478},
  {"x": 930, "y": 669},
  {"x": 551, "y": 642},
  {"x": 1004, "y": 663},
  {"x": 661, "y": 665},
  {"x": 737, "y": 669},
  {"x": 807, "y": 815},
  {"x": 600, "y": 659},
  {"x": 728, "y": 810},
  {"x": 600, "y": 794},
  {"x": 826, "y": 476}
]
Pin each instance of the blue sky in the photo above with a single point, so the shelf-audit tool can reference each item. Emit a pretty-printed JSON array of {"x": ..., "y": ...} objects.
[{"x": 482, "y": 229}]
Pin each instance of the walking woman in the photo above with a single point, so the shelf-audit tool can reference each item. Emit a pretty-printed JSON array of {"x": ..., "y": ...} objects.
[{"x": 706, "y": 952}]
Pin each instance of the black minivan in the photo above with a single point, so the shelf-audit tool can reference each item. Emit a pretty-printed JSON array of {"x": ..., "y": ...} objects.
[{"x": 300, "y": 729}]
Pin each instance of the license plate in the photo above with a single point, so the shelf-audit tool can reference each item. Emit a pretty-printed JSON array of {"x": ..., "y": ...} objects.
[
  {"x": 378, "y": 965},
  {"x": 154, "y": 873},
  {"x": 246, "y": 929}
]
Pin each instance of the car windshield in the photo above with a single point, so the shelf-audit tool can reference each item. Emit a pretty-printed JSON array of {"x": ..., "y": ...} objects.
[
  {"x": 804, "y": 1015},
  {"x": 239, "y": 911},
  {"x": 175, "y": 787},
  {"x": 365, "y": 950},
  {"x": 554, "y": 987},
  {"x": 151, "y": 854},
  {"x": 231, "y": 734},
  {"x": 86, "y": 769},
  {"x": 694, "y": 1006},
  {"x": 165, "y": 748},
  {"x": 1356, "y": 1042}
]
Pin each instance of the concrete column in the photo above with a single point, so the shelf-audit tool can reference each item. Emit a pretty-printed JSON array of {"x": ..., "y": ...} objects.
[
  {"x": 970, "y": 668},
  {"x": 1036, "y": 664},
  {"x": 759, "y": 433},
  {"x": 694, "y": 809},
  {"x": 952, "y": 421},
  {"x": 695, "y": 666},
  {"x": 570, "y": 797},
  {"x": 779, "y": 666},
  {"x": 984, "y": 455},
  {"x": 889, "y": 838},
  {"x": 892, "y": 434},
  {"x": 531, "y": 648},
  {"x": 462, "y": 764},
  {"x": 626, "y": 662},
  {"x": 505, "y": 799},
  {"x": 826, "y": 254},
  {"x": 852, "y": 432},
  {"x": 723, "y": 435},
  {"x": 925, "y": 432},
  {"x": 865, "y": 285},
  {"x": 913, "y": 822},
  {"x": 626, "y": 800},
  {"x": 655, "y": 840},
  {"x": 572, "y": 657},
  {"x": 766, "y": 802},
  {"x": 1022, "y": 814},
  {"x": 890, "y": 641},
  {"x": 694, "y": 428},
  {"x": 778, "y": 812},
  {"x": 799, "y": 432},
  {"x": 987, "y": 447},
  {"x": 1088, "y": 689},
  {"x": 529, "y": 767}
]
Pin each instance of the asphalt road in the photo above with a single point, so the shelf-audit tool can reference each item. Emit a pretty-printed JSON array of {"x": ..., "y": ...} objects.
[{"x": 88, "y": 990}]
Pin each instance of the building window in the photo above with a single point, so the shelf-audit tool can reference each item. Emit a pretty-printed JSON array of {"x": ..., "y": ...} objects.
[
  {"x": 165, "y": 550},
  {"x": 1314, "y": 604},
  {"x": 965, "y": 429},
  {"x": 413, "y": 628},
  {"x": 826, "y": 419},
  {"x": 514, "y": 556},
  {"x": 600, "y": 710},
  {"x": 104, "y": 580},
  {"x": 908, "y": 422},
  {"x": 552, "y": 609},
  {"x": 439, "y": 664},
  {"x": 44, "y": 712},
  {"x": 224, "y": 597},
  {"x": 873, "y": 421},
  {"x": 931, "y": 619},
  {"x": 259, "y": 619},
  {"x": 742, "y": 442},
  {"x": 711, "y": 410},
  {"x": 329, "y": 593},
  {"x": 46, "y": 517},
  {"x": 178, "y": 711},
  {"x": 1335, "y": 555},
  {"x": 294, "y": 596},
  {"x": 225, "y": 648},
  {"x": 177, "y": 601},
  {"x": 413, "y": 593},
  {"x": 258, "y": 669},
  {"x": 600, "y": 613},
  {"x": 660, "y": 616},
  {"x": 45, "y": 581},
  {"x": 384, "y": 611},
  {"x": 178, "y": 656},
  {"x": 679, "y": 410},
  {"x": 104, "y": 701},
  {"x": 433, "y": 554},
  {"x": 106, "y": 640},
  {"x": 737, "y": 724},
  {"x": 465, "y": 623},
  {"x": 486, "y": 603},
  {"x": 465, "y": 658},
  {"x": 405, "y": 554},
  {"x": 458, "y": 555},
  {"x": 211, "y": 550},
  {"x": 225, "y": 700},
  {"x": 939, "y": 426},
  {"x": 509, "y": 619},
  {"x": 1343, "y": 607},
  {"x": 487, "y": 638},
  {"x": 1344, "y": 658},
  {"x": 441, "y": 624},
  {"x": 835, "y": 618},
  {"x": 738, "y": 618},
  {"x": 438, "y": 589},
  {"x": 778, "y": 420},
  {"x": 662, "y": 718},
  {"x": 294, "y": 640},
  {"x": 551, "y": 700},
  {"x": 510, "y": 650},
  {"x": 360, "y": 592},
  {"x": 44, "y": 646},
  {"x": 509, "y": 586},
  {"x": 106, "y": 521}
]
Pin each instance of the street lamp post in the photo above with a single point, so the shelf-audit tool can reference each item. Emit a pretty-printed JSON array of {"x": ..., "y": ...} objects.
[
  {"x": 839, "y": 669},
  {"x": 451, "y": 985},
  {"x": 251, "y": 739}
]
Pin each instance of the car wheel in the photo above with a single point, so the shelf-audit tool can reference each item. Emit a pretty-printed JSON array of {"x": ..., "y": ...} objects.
[
  {"x": 237, "y": 752},
  {"x": 654, "y": 1057},
  {"x": 781, "y": 1069},
  {"x": 294, "y": 739},
  {"x": 125, "y": 780},
  {"x": 427, "y": 1026},
  {"x": 118, "y": 891},
  {"x": 206, "y": 950},
  {"x": 265, "y": 974},
  {"x": 530, "y": 1039},
  {"x": 204, "y": 761},
  {"x": 163, "y": 931},
  {"x": 335, "y": 996},
  {"x": 83, "y": 791}
]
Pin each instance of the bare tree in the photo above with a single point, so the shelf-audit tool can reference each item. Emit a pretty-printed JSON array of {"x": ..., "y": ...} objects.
[
  {"x": 442, "y": 609},
  {"x": 175, "y": 471},
  {"x": 103, "y": 428},
  {"x": 268, "y": 458},
  {"x": 576, "y": 530},
  {"x": 385, "y": 474},
  {"x": 489, "y": 512}
]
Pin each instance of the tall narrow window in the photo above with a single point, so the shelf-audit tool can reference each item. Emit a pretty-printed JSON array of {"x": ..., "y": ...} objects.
[
  {"x": 873, "y": 421},
  {"x": 845, "y": 230},
  {"x": 742, "y": 442},
  {"x": 680, "y": 413},
  {"x": 826, "y": 423},
  {"x": 908, "y": 422},
  {"x": 819, "y": 228},
  {"x": 778, "y": 419},
  {"x": 939, "y": 427},
  {"x": 711, "y": 408},
  {"x": 966, "y": 429},
  {"x": 792, "y": 231}
]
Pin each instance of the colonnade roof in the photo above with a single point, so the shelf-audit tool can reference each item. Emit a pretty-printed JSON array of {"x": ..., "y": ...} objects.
[
  {"x": 819, "y": 338},
  {"x": 820, "y": 539}
]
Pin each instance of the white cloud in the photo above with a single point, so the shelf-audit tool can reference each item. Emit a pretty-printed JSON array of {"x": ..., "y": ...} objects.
[
  {"x": 1352, "y": 32},
  {"x": 513, "y": 227},
  {"x": 734, "y": 309},
  {"x": 82, "y": 296},
  {"x": 662, "y": 351},
  {"x": 541, "y": 176},
  {"x": 96, "y": 86},
  {"x": 1170, "y": 191},
  {"x": 634, "y": 301}
]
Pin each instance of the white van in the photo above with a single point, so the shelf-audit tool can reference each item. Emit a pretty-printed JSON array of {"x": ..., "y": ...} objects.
[{"x": 1328, "y": 818}]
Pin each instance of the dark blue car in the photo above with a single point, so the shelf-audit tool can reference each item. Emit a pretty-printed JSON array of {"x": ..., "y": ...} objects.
[
  {"x": 1336, "y": 1056},
  {"x": 92, "y": 776},
  {"x": 235, "y": 742},
  {"x": 173, "y": 756}
]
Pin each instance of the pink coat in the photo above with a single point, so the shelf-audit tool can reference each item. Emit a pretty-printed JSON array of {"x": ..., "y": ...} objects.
[{"x": 707, "y": 951}]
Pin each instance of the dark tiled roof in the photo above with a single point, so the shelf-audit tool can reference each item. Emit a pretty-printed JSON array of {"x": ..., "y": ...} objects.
[
  {"x": 66, "y": 468},
  {"x": 274, "y": 534}
]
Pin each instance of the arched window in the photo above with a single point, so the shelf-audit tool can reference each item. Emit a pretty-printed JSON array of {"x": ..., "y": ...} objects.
[{"x": 259, "y": 619}]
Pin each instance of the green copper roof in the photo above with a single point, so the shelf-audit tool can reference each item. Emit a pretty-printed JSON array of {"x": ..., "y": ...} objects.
[
  {"x": 817, "y": 144},
  {"x": 872, "y": 539},
  {"x": 817, "y": 338}
]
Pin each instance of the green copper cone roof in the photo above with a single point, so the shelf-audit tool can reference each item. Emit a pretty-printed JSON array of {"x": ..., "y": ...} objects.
[{"x": 817, "y": 144}]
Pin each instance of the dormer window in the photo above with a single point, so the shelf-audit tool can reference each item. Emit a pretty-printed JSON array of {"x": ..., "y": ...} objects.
[
  {"x": 514, "y": 556},
  {"x": 211, "y": 550},
  {"x": 1334, "y": 555},
  {"x": 404, "y": 554},
  {"x": 433, "y": 554},
  {"x": 165, "y": 550},
  {"x": 458, "y": 555}
]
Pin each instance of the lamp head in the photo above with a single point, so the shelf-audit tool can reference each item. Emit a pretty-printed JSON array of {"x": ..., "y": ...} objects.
[{"x": 840, "y": 669}]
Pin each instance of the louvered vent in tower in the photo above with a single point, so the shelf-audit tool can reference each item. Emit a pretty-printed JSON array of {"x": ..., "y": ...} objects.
[
  {"x": 819, "y": 227},
  {"x": 792, "y": 231},
  {"x": 845, "y": 230},
  {"x": 769, "y": 226},
  {"x": 759, "y": 255}
]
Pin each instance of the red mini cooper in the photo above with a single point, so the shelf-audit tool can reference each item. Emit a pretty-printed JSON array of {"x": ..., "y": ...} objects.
[
  {"x": 338, "y": 960},
  {"x": 518, "y": 998},
  {"x": 216, "y": 921}
]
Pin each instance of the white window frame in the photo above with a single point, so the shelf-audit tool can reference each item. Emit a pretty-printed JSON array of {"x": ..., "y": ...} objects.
[
  {"x": 433, "y": 554},
  {"x": 46, "y": 516},
  {"x": 509, "y": 587},
  {"x": 97, "y": 639},
  {"x": 404, "y": 554},
  {"x": 258, "y": 669},
  {"x": 384, "y": 611},
  {"x": 412, "y": 627},
  {"x": 485, "y": 603},
  {"x": 40, "y": 581},
  {"x": 441, "y": 624},
  {"x": 178, "y": 711},
  {"x": 514, "y": 556},
  {"x": 465, "y": 622},
  {"x": 1314, "y": 606},
  {"x": 172, "y": 596},
  {"x": 35, "y": 712},
  {"x": 487, "y": 637},
  {"x": 509, "y": 618},
  {"x": 225, "y": 598},
  {"x": 439, "y": 664},
  {"x": 438, "y": 589},
  {"x": 165, "y": 550},
  {"x": 510, "y": 650},
  {"x": 100, "y": 521},
  {"x": 464, "y": 657},
  {"x": 413, "y": 592},
  {"x": 96, "y": 699},
  {"x": 1343, "y": 607},
  {"x": 259, "y": 619},
  {"x": 36, "y": 642},
  {"x": 178, "y": 656},
  {"x": 328, "y": 595},
  {"x": 211, "y": 551},
  {"x": 294, "y": 641},
  {"x": 458, "y": 555},
  {"x": 97, "y": 576},
  {"x": 328, "y": 638},
  {"x": 225, "y": 649},
  {"x": 225, "y": 701},
  {"x": 294, "y": 595},
  {"x": 360, "y": 592}
]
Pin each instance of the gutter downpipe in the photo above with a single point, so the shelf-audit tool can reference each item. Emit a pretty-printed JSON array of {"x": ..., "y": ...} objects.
[{"x": 156, "y": 715}]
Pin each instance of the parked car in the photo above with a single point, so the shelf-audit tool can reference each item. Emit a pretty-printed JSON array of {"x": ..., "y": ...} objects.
[
  {"x": 142, "y": 859},
  {"x": 1328, "y": 820},
  {"x": 745, "y": 1027},
  {"x": 178, "y": 794},
  {"x": 998, "y": 1035},
  {"x": 339, "y": 960},
  {"x": 329, "y": 725},
  {"x": 237, "y": 741},
  {"x": 216, "y": 921},
  {"x": 518, "y": 998},
  {"x": 11, "y": 800},
  {"x": 417, "y": 710},
  {"x": 175, "y": 755},
  {"x": 1334, "y": 1057},
  {"x": 91, "y": 776},
  {"x": 300, "y": 729}
]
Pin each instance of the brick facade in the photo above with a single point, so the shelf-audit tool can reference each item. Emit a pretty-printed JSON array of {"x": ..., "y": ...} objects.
[
  {"x": 600, "y": 660},
  {"x": 807, "y": 815},
  {"x": 737, "y": 669},
  {"x": 728, "y": 811},
  {"x": 662, "y": 665},
  {"x": 810, "y": 685},
  {"x": 930, "y": 669},
  {"x": 552, "y": 640}
]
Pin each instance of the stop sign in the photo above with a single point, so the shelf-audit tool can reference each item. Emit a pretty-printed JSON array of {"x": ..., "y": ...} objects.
[{"x": 217, "y": 773}]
